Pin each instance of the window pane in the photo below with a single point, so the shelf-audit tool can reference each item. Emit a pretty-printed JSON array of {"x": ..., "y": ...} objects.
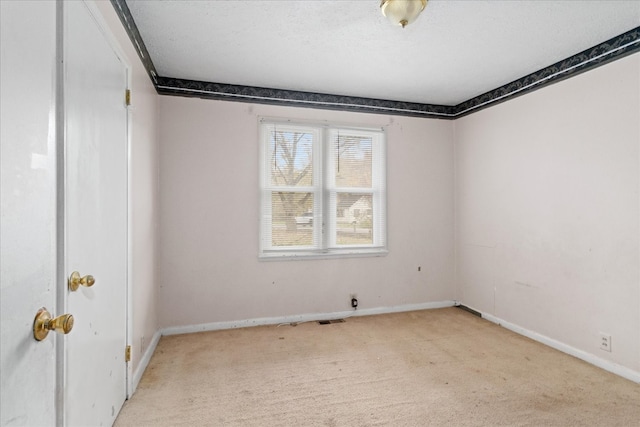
[
  {"x": 354, "y": 219},
  {"x": 292, "y": 219},
  {"x": 353, "y": 161},
  {"x": 291, "y": 158},
  {"x": 319, "y": 187}
]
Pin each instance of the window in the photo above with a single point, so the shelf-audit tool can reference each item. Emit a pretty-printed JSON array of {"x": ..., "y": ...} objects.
[{"x": 322, "y": 190}]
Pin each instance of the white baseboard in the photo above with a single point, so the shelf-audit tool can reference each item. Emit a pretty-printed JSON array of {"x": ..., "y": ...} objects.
[
  {"x": 300, "y": 318},
  {"x": 607, "y": 365},
  {"x": 144, "y": 362}
]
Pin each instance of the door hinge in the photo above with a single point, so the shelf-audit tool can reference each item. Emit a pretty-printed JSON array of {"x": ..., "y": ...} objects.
[
  {"x": 127, "y": 97},
  {"x": 127, "y": 354}
]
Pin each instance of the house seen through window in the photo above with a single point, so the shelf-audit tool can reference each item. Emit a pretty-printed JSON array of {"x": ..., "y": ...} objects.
[{"x": 322, "y": 190}]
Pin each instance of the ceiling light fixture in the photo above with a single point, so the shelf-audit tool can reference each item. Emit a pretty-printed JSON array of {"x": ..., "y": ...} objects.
[{"x": 402, "y": 12}]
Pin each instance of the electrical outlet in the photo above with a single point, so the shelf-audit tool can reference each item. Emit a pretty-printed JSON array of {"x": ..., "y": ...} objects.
[
  {"x": 354, "y": 301},
  {"x": 605, "y": 342}
]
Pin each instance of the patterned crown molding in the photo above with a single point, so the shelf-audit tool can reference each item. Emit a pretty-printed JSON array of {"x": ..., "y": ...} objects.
[
  {"x": 123, "y": 12},
  {"x": 261, "y": 95},
  {"x": 610, "y": 50}
]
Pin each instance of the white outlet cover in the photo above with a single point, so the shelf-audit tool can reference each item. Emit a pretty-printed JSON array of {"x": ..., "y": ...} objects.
[{"x": 605, "y": 342}]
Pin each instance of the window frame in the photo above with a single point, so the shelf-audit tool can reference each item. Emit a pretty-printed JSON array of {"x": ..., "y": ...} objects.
[{"x": 324, "y": 192}]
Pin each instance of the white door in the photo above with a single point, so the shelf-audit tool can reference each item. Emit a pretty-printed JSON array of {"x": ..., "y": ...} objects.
[
  {"x": 95, "y": 81},
  {"x": 28, "y": 210}
]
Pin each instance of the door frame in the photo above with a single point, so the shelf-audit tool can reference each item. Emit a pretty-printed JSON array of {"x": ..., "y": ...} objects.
[{"x": 60, "y": 144}]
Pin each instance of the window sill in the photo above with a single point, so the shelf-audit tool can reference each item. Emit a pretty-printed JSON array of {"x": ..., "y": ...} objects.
[{"x": 311, "y": 255}]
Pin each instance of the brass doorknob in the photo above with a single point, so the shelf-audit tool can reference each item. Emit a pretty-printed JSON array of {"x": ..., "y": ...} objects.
[
  {"x": 43, "y": 323},
  {"x": 75, "y": 280}
]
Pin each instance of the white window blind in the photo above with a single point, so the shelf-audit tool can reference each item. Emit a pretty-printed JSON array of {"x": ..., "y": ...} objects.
[{"x": 322, "y": 189}]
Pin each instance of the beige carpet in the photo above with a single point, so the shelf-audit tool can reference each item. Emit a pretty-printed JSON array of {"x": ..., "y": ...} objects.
[{"x": 423, "y": 368}]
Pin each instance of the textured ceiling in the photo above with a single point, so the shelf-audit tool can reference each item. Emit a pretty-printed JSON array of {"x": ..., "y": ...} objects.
[{"x": 454, "y": 51}]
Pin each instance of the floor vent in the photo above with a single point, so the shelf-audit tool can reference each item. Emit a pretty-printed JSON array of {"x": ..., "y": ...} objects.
[
  {"x": 327, "y": 322},
  {"x": 470, "y": 310}
]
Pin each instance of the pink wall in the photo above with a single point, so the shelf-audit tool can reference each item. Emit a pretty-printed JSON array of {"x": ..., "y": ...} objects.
[
  {"x": 209, "y": 269},
  {"x": 547, "y": 211}
]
